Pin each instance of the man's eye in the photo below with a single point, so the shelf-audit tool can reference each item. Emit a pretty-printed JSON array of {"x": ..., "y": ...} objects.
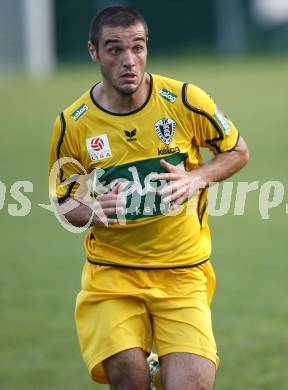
[
  {"x": 115, "y": 50},
  {"x": 138, "y": 49}
]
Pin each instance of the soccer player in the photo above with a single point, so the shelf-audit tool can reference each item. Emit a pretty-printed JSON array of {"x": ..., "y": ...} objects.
[{"x": 147, "y": 278}]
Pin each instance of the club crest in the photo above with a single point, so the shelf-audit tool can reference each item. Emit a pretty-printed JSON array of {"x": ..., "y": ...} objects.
[{"x": 165, "y": 128}]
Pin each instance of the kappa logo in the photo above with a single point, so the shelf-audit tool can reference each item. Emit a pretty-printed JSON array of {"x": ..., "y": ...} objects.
[
  {"x": 171, "y": 97},
  {"x": 165, "y": 128},
  {"x": 79, "y": 112},
  {"x": 131, "y": 135},
  {"x": 168, "y": 150},
  {"x": 223, "y": 122},
  {"x": 98, "y": 147}
]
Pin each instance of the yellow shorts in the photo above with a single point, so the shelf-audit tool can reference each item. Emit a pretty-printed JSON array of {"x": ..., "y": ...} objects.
[{"x": 118, "y": 309}]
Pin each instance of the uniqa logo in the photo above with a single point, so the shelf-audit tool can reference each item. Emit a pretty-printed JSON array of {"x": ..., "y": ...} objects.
[
  {"x": 80, "y": 111},
  {"x": 171, "y": 97}
]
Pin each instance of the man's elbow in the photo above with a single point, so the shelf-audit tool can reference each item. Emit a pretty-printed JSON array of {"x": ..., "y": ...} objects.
[
  {"x": 243, "y": 152},
  {"x": 245, "y": 157}
]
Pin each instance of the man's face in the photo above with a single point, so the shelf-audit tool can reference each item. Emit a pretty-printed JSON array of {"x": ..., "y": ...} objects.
[{"x": 122, "y": 56}]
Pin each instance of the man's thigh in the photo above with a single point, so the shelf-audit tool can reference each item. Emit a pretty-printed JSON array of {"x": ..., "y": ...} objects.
[
  {"x": 109, "y": 322},
  {"x": 181, "y": 320},
  {"x": 187, "y": 371}
]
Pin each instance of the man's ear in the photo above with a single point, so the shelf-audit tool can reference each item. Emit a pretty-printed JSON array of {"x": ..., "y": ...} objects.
[{"x": 92, "y": 51}]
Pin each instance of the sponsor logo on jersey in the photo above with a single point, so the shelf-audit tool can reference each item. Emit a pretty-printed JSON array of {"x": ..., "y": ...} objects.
[
  {"x": 165, "y": 128},
  {"x": 139, "y": 184},
  {"x": 79, "y": 112},
  {"x": 162, "y": 152},
  {"x": 98, "y": 147},
  {"x": 171, "y": 97},
  {"x": 223, "y": 122},
  {"x": 131, "y": 135}
]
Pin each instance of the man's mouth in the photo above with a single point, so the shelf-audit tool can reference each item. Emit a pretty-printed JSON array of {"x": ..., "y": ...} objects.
[{"x": 129, "y": 76}]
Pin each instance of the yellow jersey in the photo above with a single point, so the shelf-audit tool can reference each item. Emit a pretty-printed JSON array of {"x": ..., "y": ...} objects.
[{"x": 176, "y": 120}]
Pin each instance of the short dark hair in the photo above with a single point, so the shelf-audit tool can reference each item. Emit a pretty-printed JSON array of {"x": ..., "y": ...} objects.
[{"x": 114, "y": 16}]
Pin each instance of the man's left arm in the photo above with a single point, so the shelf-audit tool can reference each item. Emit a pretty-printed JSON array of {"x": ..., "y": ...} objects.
[
  {"x": 210, "y": 128},
  {"x": 182, "y": 184},
  {"x": 224, "y": 165}
]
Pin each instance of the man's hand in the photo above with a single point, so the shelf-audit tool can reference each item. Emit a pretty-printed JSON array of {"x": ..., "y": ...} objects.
[
  {"x": 182, "y": 185},
  {"x": 96, "y": 211},
  {"x": 107, "y": 204}
]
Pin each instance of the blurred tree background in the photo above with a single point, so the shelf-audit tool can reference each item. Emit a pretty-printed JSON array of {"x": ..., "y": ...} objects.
[{"x": 221, "y": 27}]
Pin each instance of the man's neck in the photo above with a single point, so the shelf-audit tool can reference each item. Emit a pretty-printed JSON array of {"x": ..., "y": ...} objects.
[{"x": 111, "y": 100}]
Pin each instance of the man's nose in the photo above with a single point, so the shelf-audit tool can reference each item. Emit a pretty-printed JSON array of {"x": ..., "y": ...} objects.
[{"x": 128, "y": 60}]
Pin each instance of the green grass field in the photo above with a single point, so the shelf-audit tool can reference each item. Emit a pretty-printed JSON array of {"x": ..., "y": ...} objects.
[{"x": 41, "y": 262}]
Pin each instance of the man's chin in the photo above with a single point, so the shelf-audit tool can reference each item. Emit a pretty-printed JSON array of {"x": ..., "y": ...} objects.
[{"x": 127, "y": 90}]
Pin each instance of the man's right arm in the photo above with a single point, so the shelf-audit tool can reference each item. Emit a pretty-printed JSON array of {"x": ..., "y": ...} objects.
[
  {"x": 67, "y": 183},
  {"x": 96, "y": 211}
]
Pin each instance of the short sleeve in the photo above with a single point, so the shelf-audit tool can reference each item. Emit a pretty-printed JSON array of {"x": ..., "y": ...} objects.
[
  {"x": 64, "y": 165},
  {"x": 211, "y": 128}
]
